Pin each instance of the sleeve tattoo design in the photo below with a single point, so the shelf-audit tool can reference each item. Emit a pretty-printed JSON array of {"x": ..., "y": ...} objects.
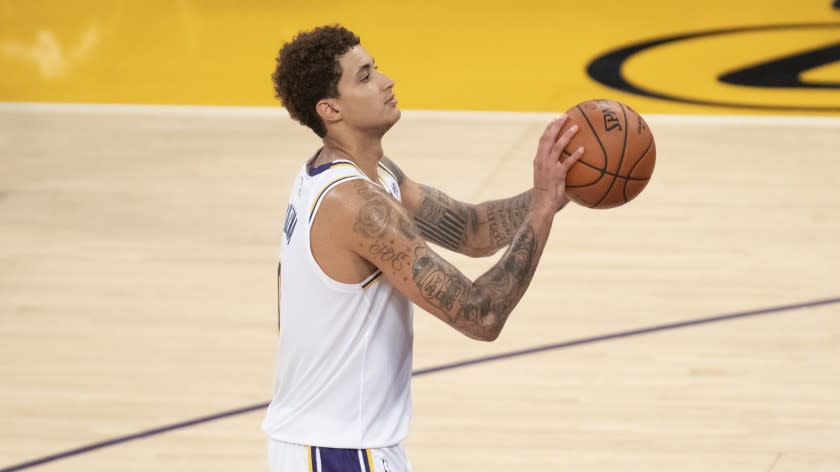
[
  {"x": 444, "y": 221},
  {"x": 504, "y": 217},
  {"x": 487, "y": 303},
  {"x": 479, "y": 307}
]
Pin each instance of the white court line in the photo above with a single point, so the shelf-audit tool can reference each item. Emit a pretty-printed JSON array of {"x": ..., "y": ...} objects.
[{"x": 280, "y": 112}]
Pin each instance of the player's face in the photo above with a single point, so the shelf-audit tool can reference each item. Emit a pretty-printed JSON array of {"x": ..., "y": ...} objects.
[{"x": 366, "y": 96}]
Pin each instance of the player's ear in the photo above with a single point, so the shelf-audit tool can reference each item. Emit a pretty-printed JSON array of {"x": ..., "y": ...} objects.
[{"x": 329, "y": 110}]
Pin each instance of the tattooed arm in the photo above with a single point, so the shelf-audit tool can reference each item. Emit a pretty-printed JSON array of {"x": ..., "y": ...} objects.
[
  {"x": 475, "y": 230},
  {"x": 381, "y": 231}
]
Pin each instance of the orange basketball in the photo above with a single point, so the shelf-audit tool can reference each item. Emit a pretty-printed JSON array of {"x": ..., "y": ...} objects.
[{"x": 619, "y": 154}]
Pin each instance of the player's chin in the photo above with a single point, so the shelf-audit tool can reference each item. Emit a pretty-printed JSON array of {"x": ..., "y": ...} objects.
[
  {"x": 393, "y": 116},
  {"x": 387, "y": 126}
]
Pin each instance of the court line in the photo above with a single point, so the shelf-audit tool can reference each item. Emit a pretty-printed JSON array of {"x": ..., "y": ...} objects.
[
  {"x": 430, "y": 370},
  {"x": 276, "y": 111}
]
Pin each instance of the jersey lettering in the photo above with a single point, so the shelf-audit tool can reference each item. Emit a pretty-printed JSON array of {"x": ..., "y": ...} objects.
[{"x": 291, "y": 222}]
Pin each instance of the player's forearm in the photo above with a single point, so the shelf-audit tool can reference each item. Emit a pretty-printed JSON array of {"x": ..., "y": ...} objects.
[
  {"x": 494, "y": 295},
  {"x": 499, "y": 220},
  {"x": 474, "y": 230},
  {"x": 480, "y": 309}
]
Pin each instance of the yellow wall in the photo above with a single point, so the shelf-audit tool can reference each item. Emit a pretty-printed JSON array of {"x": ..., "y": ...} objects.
[{"x": 523, "y": 55}]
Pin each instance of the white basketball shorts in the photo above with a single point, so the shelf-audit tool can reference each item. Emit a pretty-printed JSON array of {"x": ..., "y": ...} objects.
[{"x": 285, "y": 457}]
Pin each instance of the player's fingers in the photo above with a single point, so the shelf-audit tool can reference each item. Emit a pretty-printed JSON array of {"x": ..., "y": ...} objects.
[
  {"x": 562, "y": 142},
  {"x": 561, "y": 120},
  {"x": 543, "y": 142},
  {"x": 572, "y": 159},
  {"x": 549, "y": 137},
  {"x": 548, "y": 131}
]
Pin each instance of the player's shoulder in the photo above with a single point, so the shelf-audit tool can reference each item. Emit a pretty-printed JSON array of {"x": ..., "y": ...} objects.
[
  {"x": 349, "y": 198},
  {"x": 359, "y": 210}
]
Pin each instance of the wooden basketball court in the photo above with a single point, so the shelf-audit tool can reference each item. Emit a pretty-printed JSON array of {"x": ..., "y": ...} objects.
[{"x": 137, "y": 292}]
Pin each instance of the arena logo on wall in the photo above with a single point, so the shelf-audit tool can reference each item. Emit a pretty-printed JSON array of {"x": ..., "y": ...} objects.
[{"x": 782, "y": 67}]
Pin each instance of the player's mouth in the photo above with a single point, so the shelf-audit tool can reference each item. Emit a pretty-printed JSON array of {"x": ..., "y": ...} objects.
[{"x": 392, "y": 100}]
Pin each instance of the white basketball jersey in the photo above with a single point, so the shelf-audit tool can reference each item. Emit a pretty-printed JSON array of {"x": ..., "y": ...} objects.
[{"x": 344, "y": 358}]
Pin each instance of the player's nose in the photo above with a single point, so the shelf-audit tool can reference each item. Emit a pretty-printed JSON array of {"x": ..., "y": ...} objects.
[{"x": 388, "y": 84}]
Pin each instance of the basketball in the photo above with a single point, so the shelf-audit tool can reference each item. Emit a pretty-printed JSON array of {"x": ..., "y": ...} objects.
[{"x": 619, "y": 154}]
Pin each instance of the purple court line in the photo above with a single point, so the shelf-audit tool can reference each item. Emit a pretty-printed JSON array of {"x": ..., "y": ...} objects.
[
  {"x": 429, "y": 370},
  {"x": 625, "y": 334}
]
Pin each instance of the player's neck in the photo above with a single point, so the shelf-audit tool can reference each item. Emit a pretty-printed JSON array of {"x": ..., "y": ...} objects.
[{"x": 363, "y": 151}]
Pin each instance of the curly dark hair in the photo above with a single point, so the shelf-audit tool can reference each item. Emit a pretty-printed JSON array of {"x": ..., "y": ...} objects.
[{"x": 308, "y": 71}]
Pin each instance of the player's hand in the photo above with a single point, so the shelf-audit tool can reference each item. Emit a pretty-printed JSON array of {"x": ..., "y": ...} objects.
[{"x": 549, "y": 171}]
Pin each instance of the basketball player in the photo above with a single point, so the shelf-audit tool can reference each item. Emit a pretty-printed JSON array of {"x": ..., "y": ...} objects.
[{"x": 355, "y": 256}]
